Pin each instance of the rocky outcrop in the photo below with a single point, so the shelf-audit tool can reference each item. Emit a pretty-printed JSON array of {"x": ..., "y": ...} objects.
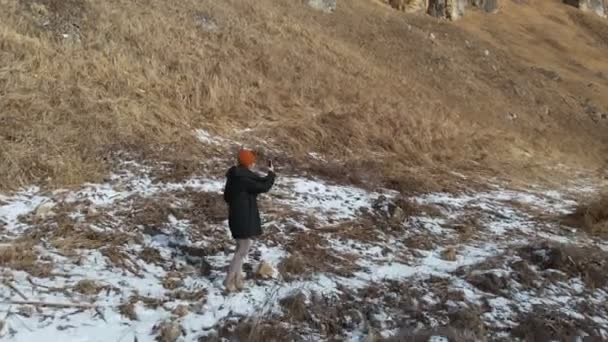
[
  {"x": 327, "y": 6},
  {"x": 450, "y": 9},
  {"x": 599, "y": 7},
  {"x": 489, "y": 6},
  {"x": 409, "y": 6}
]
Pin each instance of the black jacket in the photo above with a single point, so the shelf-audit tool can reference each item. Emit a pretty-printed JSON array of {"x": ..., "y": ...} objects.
[{"x": 241, "y": 192}]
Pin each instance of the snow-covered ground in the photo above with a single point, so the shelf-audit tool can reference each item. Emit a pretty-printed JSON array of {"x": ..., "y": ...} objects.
[{"x": 352, "y": 224}]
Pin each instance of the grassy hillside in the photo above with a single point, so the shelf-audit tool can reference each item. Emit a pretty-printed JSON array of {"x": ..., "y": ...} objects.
[{"x": 392, "y": 93}]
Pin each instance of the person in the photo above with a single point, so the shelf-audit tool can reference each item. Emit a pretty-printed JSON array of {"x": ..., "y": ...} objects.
[{"x": 240, "y": 193}]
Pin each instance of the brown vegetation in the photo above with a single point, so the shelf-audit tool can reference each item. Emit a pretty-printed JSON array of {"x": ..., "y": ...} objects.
[
  {"x": 592, "y": 217},
  {"x": 424, "y": 335},
  {"x": 295, "y": 307},
  {"x": 552, "y": 325},
  {"x": 293, "y": 266},
  {"x": 22, "y": 256},
  {"x": 127, "y": 309},
  {"x": 449, "y": 254},
  {"x": 253, "y": 330},
  {"x": 588, "y": 263},
  {"x": 88, "y": 287},
  {"x": 151, "y": 255},
  {"x": 321, "y": 257},
  {"x": 365, "y": 84}
]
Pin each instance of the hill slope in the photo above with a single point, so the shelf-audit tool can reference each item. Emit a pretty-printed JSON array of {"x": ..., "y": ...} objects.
[
  {"x": 390, "y": 92},
  {"x": 437, "y": 180}
]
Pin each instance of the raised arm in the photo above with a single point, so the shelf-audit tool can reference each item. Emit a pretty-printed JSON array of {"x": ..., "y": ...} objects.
[{"x": 258, "y": 185}]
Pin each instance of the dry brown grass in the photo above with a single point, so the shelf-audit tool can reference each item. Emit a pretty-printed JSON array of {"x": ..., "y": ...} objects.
[
  {"x": 596, "y": 216},
  {"x": 424, "y": 335},
  {"x": 551, "y": 325},
  {"x": 18, "y": 256},
  {"x": 254, "y": 330},
  {"x": 357, "y": 85},
  {"x": 193, "y": 296},
  {"x": 321, "y": 257},
  {"x": 489, "y": 282},
  {"x": 592, "y": 217},
  {"x": 151, "y": 255},
  {"x": 68, "y": 236},
  {"x": 449, "y": 254},
  {"x": 168, "y": 331},
  {"x": 205, "y": 207},
  {"x": 119, "y": 258},
  {"x": 93, "y": 288},
  {"x": 150, "y": 213},
  {"x": 22, "y": 256},
  {"x": 295, "y": 307},
  {"x": 127, "y": 309},
  {"x": 293, "y": 266},
  {"x": 171, "y": 283},
  {"x": 587, "y": 263}
]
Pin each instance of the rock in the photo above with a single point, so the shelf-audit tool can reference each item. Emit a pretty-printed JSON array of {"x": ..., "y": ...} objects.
[
  {"x": 188, "y": 269},
  {"x": 489, "y": 282},
  {"x": 371, "y": 336},
  {"x": 399, "y": 5},
  {"x": 398, "y": 215},
  {"x": 449, "y": 9},
  {"x": 45, "y": 210},
  {"x": 549, "y": 74},
  {"x": 26, "y": 311},
  {"x": 206, "y": 22},
  {"x": 456, "y": 8},
  {"x": 181, "y": 310},
  {"x": 152, "y": 231},
  {"x": 408, "y": 6},
  {"x": 169, "y": 331},
  {"x": 438, "y": 8},
  {"x": 327, "y": 6},
  {"x": 206, "y": 268},
  {"x": 449, "y": 254},
  {"x": 91, "y": 211},
  {"x": 598, "y": 7},
  {"x": 265, "y": 270},
  {"x": 489, "y": 6}
]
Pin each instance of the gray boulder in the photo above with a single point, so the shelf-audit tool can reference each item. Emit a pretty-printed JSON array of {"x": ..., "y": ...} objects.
[
  {"x": 449, "y": 9},
  {"x": 599, "y": 7},
  {"x": 327, "y": 6},
  {"x": 438, "y": 8},
  {"x": 489, "y": 6}
]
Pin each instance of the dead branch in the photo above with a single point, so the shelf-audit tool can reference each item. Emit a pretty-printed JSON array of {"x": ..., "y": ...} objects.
[{"x": 50, "y": 304}]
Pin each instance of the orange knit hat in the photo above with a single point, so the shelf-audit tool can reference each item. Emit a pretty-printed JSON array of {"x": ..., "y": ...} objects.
[{"x": 246, "y": 157}]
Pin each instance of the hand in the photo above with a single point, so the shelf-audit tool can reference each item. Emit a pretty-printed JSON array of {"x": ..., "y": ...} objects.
[{"x": 270, "y": 166}]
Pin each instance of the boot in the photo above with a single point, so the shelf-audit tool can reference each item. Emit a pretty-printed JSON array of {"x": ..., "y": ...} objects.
[
  {"x": 239, "y": 281},
  {"x": 229, "y": 284}
]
